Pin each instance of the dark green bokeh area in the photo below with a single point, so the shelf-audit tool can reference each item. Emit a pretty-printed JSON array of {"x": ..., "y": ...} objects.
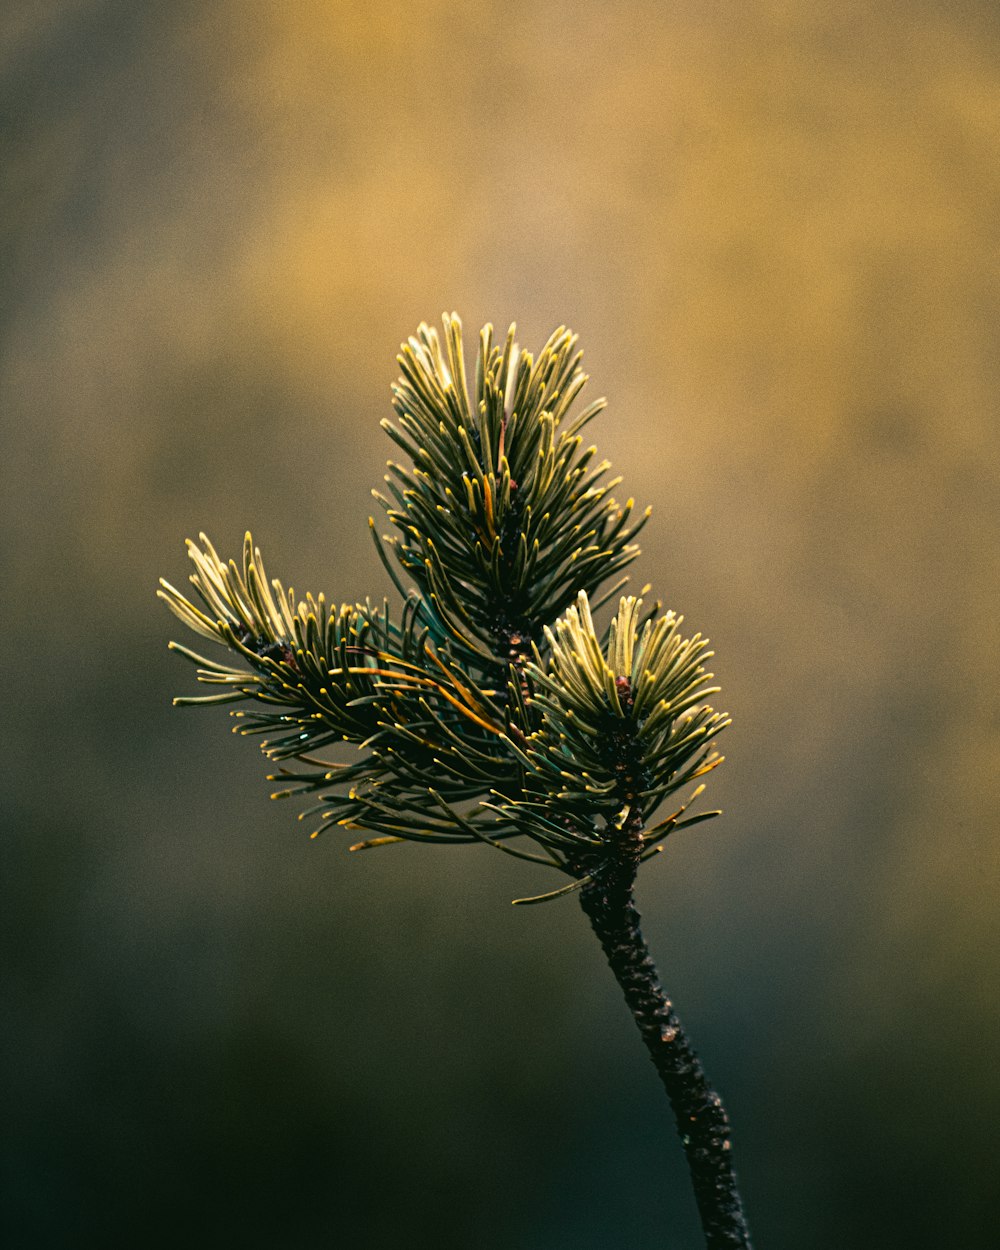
[{"x": 774, "y": 227}]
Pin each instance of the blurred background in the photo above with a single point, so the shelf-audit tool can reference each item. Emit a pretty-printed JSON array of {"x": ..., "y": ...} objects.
[{"x": 774, "y": 226}]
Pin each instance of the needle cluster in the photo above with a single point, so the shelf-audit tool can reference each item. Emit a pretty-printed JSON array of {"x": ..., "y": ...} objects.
[{"x": 488, "y": 707}]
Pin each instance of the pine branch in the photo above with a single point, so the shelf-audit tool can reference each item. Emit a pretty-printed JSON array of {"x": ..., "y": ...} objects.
[
  {"x": 701, "y": 1119},
  {"x": 489, "y": 709},
  {"x": 504, "y": 517}
]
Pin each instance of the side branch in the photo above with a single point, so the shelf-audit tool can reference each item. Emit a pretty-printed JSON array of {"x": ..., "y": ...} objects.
[{"x": 702, "y": 1122}]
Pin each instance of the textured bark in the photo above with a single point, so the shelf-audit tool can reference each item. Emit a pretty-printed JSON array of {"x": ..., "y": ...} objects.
[{"x": 702, "y": 1123}]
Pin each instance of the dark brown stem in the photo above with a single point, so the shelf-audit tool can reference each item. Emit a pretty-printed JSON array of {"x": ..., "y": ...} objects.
[{"x": 702, "y": 1123}]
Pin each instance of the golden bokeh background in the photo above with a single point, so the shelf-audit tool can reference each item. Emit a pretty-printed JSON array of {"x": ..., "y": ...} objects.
[{"x": 774, "y": 226}]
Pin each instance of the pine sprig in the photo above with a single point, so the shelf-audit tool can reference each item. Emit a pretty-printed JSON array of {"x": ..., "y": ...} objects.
[
  {"x": 504, "y": 515},
  {"x": 316, "y": 677},
  {"x": 490, "y": 709},
  {"x": 622, "y": 724}
]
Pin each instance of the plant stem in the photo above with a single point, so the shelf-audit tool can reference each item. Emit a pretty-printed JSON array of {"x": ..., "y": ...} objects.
[{"x": 702, "y": 1123}]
